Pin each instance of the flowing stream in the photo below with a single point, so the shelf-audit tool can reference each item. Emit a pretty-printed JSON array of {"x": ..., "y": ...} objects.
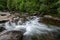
[{"x": 31, "y": 28}]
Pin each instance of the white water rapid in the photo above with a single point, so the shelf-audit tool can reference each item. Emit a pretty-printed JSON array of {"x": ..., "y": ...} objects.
[{"x": 31, "y": 28}]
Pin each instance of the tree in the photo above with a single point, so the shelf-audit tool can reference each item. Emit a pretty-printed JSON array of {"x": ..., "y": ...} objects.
[{"x": 3, "y": 4}]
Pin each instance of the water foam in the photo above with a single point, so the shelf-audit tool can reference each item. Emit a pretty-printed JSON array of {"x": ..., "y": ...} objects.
[{"x": 31, "y": 27}]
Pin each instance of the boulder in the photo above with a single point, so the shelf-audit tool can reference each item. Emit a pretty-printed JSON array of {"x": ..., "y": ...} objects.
[
  {"x": 11, "y": 35},
  {"x": 47, "y": 19}
]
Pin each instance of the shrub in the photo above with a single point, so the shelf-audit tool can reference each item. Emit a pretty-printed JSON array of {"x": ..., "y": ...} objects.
[
  {"x": 3, "y": 4},
  {"x": 40, "y": 6}
]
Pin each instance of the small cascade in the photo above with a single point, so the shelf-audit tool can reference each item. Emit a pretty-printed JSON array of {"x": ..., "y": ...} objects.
[{"x": 31, "y": 28}]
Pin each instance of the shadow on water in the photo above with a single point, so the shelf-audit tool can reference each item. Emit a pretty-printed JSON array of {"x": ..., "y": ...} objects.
[{"x": 3, "y": 21}]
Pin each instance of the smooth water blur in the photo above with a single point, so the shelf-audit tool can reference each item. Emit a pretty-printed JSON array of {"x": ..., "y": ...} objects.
[{"x": 31, "y": 27}]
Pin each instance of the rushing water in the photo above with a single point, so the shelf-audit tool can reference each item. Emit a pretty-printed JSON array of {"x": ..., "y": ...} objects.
[{"x": 31, "y": 27}]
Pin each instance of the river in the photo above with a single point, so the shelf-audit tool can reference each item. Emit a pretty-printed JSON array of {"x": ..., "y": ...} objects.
[{"x": 34, "y": 30}]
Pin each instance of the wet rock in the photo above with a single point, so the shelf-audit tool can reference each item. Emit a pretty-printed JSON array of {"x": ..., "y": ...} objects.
[
  {"x": 11, "y": 35},
  {"x": 48, "y": 36},
  {"x": 2, "y": 29},
  {"x": 52, "y": 17},
  {"x": 47, "y": 19}
]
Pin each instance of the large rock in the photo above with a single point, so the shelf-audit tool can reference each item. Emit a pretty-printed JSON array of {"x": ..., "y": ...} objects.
[
  {"x": 11, "y": 35},
  {"x": 47, "y": 36},
  {"x": 51, "y": 20}
]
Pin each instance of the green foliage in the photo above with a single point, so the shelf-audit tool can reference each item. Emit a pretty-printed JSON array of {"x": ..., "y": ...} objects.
[
  {"x": 32, "y": 6},
  {"x": 23, "y": 5},
  {"x": 41, "y": 6},
  {"x": 3, "y": 4},
  {"x": 58, "y": 9}
]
